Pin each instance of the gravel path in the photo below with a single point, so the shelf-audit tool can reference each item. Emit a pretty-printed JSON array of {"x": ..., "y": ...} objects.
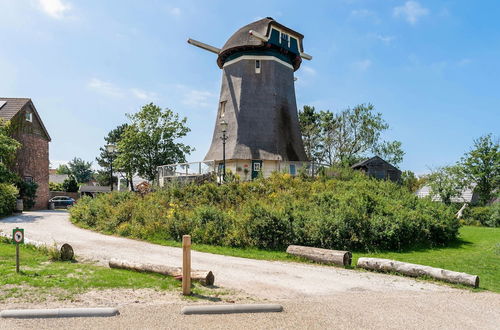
[
  {"x": 264, "y": 279},
  {"x": 345, "y": 310},
  {"x": 313, "y": 296}
]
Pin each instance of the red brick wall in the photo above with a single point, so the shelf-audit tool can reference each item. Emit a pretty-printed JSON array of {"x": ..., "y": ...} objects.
[{"x": 33, "y": 161}]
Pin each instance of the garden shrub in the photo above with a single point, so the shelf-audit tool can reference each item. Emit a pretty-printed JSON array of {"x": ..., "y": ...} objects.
[
  {"x": 8, "y": 196},
  {"x": 346, "y": 211},
  {"x": 483, "y": 215}
]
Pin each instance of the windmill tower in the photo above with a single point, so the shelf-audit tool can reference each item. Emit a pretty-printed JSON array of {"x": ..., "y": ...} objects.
[{"x": 257, "y": 100}]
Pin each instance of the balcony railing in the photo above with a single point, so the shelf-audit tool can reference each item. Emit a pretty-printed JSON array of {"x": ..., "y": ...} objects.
[{"x": 187, "y": 172}]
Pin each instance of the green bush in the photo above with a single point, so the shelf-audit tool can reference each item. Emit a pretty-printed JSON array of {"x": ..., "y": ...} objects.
[
  {"x": 346, "y": 211},
  {"x": 8, "y": 196},
  {"x": 483, "y": 215}
]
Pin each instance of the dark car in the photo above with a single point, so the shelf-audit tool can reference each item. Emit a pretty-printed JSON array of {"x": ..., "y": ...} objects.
[{"x": 62, "y": 201}]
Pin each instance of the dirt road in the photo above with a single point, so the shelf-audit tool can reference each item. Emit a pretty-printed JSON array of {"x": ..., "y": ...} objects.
[
  {"x": 263, "y": 279},
  {"x": 314, "y": 297}
]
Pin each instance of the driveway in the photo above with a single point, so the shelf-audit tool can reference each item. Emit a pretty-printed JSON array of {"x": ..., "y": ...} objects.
[
  {"x": 265, "y": 279},
  {"x": 313, "y": 296}
]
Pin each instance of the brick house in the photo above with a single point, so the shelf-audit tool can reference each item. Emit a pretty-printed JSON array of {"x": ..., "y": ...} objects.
[{"x": 32, "y": 158}]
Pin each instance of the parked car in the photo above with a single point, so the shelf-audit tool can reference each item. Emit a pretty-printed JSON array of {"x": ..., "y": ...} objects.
[{"x": 62, "y": 201}]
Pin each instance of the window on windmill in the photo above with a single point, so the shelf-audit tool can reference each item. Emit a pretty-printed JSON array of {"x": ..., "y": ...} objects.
[
  {"x": 29, "y": 116},
  {"x": 285, "y": 39},
  {"x": 222, "y": 107},
  {"x": 257, "y": 66}
]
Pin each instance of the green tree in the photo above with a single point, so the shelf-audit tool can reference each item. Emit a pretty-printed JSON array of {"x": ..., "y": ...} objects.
[
  {"x": 105, "y": 159},
  {"x": 151, "y": 140},
  {"x": 63, "y": 169},
  {"x": 447, "y": 182},
  {"x": 309, "y": 121},
  {"x": 70, "y": 184},
  {"x": 8, "y": 147},
  {"x": 350, "y": 135},
  {"x": 481, "y": 165},
  {"x": 409, "y": 180},
  {"x": 81, "y": 170},
  {"x": 390, "y": 151}
]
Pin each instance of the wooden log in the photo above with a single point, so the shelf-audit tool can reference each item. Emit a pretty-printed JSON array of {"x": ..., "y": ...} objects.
[
  {"x": 414, "y": 270},
  {"x": 203, "y": 276},
  {"x": 342, "y": 258}
]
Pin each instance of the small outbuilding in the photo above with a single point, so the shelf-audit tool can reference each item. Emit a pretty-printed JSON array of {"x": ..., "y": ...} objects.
[{"x": 378, "y": 168}]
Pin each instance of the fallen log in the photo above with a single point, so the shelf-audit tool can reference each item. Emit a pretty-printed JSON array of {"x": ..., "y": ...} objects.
[
  {"x": 342, "y": 258},
  {"x": 414, "y": 270},
  {"x": 203, "y": 276}
]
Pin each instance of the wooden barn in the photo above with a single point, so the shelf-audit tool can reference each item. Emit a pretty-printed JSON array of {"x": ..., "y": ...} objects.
[{"x": 378, "y": 168}]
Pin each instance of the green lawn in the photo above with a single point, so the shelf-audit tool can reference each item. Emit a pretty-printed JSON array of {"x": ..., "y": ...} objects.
[
  {"x": 40, "y": 277},
  {"x": 476, "y": 252}
]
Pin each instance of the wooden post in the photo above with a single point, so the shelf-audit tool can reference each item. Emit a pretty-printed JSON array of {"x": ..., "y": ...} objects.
[
  {"x": 186, "y": 265},
  {"x": 17, "y": 257}
]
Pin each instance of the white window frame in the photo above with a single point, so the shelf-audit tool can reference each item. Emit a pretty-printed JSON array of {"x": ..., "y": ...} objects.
[
  {"x": 222, "y": 106},
  {"x": 29, "y": 116}
]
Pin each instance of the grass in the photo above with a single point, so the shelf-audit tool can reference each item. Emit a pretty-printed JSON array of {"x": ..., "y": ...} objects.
[
  {"x": 476, "y": 252},
  {"x": 39, "y": 277}
]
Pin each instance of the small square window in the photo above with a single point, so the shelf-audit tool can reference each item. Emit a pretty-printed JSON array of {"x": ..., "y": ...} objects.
[{"x": 29, "y": 116}]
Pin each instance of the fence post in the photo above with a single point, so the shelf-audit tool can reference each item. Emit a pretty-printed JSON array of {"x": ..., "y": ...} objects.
[{"x": 186, "y": 265}]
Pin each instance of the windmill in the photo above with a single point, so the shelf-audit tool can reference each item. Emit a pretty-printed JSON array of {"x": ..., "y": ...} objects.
[{"x": 257, "y": 100}]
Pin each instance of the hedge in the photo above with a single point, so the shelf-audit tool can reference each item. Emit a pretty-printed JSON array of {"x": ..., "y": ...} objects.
[
  {"x": 8, "y": 196},
  {"x": 348, "y": 212}
]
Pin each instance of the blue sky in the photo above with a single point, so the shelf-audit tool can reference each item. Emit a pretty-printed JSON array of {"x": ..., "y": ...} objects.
[{"x": 432, "y": 68}]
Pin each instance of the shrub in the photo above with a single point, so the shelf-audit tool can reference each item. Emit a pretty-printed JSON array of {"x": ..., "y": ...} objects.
[
  {"x": 27, "y": 191},
  {"x": 8, "y": 195},
  {"x": 348, "y": 211},
  {"x": 483, "y": 215}
]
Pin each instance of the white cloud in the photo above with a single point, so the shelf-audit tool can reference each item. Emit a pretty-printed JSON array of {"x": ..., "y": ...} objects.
[
  {"x": 142, "y": 94},
  {"x": 365, "y": 14},
  {"x": 105, "y": 87},
  {"x": 385, "y": 39},
  {"x": 363, "y": 65},
  {"x": 175, "y": 11},
  {"x": 109, "y": 89},
  {"x": 54, "y": 8},
  {"x": 412, "y": 11},
  {"x": 199, "y": 98}
]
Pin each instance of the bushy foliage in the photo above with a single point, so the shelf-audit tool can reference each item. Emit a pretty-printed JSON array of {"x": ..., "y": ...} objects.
[
  {"x": 483, "y": 215},
  {"x": 349, "y": 211},
  {"x": 53, "y": 186},
  {"x": 27, "y": 191},
  {"x": 70, "y": 184},
  {"x": 8, "y": 194}
]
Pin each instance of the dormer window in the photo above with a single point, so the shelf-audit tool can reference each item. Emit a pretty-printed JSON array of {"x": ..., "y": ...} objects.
[
  {"x": 285, "y": 39},
  {"x": 29, "y": 117}
]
